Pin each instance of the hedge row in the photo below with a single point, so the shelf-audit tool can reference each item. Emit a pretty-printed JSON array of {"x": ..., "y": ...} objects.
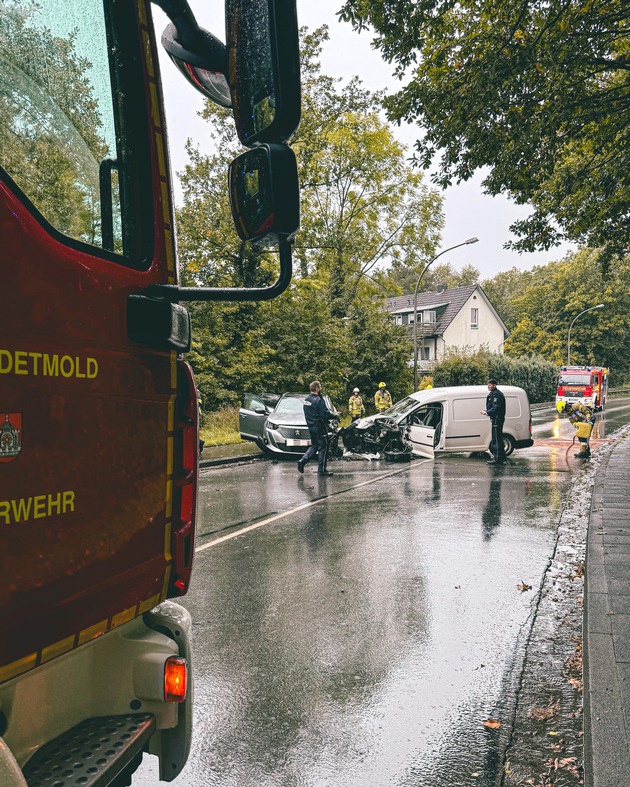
[{"x": 534, "y": 373}]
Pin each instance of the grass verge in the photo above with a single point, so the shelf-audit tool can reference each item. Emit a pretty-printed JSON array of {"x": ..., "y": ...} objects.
[{"x": 220, "y": 427}]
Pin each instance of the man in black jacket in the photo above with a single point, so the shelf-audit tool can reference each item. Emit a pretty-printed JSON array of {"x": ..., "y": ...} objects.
[
  {"x": 495, "y": 409},
  {"x": 317, "y": 417}
]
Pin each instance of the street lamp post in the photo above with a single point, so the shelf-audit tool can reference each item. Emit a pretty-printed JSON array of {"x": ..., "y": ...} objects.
[
  {"x": 415, "y": 305},
  {"x": 599, "y": 306}
]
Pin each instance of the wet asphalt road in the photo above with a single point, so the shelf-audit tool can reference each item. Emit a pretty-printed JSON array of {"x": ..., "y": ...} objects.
[{"x": 357, "y": 630}]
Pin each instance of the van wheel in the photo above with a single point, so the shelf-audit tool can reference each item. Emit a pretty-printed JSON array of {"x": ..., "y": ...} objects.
[{"x": 508, "y": 444}]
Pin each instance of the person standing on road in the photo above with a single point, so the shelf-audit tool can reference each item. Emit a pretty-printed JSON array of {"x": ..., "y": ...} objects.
[
  {"x": 382, "y": 398},
  {"x": 579, "y": 414},
  {"x": 495, "y": 410},
  {"x": 356, "y": 406},
  {"x": 317, "y": 417}
]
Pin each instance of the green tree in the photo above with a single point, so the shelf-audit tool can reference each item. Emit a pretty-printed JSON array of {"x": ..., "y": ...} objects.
[
  {"x": 539, "y": 93},
  {"x": 363, "y": 209},
  {"x": 503, "y": 288},
  {"x": 557, "y": 293},
  {"x": 363, "y": 206}
]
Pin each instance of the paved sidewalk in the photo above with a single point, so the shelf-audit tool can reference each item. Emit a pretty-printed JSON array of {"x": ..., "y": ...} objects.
[{"x": 607, "y": 624}]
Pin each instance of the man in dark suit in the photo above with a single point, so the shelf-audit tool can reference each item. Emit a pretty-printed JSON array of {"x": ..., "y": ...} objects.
[
  {"x": 317, "y": 417},
  {"x": 495, "y": 410}
]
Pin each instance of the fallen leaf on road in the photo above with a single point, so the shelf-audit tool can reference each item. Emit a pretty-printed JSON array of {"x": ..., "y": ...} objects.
[
  {"x": 491, "y": 724},
  {"x": 544, "y": 714},
  {"x": 523, "y": 586}
]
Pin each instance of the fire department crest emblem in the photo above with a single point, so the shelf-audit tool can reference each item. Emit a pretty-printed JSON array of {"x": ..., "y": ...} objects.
[{"x": 10, "y": 436}]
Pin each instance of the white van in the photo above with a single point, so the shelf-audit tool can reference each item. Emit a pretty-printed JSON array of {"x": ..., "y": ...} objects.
[{"x": 450, "y": 419}]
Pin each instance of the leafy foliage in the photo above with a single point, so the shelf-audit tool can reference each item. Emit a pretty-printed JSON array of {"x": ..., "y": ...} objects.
[
  {"x": 461, "y": 370},
  {"x": 544, "y": 309},
  {"x": 538, "y": 92},
  {"x": 536, "y": 375},
  {"x": 363, "y": 209},
  {"x": 533, "y": 373},
  {"x": 503, "y": 288}
]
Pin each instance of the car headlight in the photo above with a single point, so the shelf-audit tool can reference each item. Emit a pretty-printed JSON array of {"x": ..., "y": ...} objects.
[{"x": 271, "y": 425}]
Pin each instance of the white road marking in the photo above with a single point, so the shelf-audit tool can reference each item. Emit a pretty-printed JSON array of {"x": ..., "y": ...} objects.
[{"x": 302, "y": 507}]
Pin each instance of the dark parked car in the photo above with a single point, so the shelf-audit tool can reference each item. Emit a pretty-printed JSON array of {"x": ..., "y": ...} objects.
[{"x": 276, "y": 423}]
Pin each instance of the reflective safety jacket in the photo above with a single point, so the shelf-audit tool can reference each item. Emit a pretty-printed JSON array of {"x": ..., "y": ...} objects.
[
  {"x": 580, "y": 412},
  {"x": 355, "y": 406},
  {"x": 382, "y": 401}
]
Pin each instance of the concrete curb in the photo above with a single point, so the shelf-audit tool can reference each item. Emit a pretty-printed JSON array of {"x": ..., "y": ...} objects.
[{"x": 230, "y": 460}]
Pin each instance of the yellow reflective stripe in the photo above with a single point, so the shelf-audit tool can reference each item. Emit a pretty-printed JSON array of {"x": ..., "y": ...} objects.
[
  {"x": 123, "y": 617},
  {"x": 58, "y": 649},
  {"x": 149, "y": 604},
  {"x": 167, "y": 542},
  {"x": 146, "y": 45},
  {"x": 50, "y": 652},
  {"x": 142, "y": 14},
  {"x": 166, "y": 583},
  {"x": 18, "y": 667},
  {"x": 92, "y": 632}
]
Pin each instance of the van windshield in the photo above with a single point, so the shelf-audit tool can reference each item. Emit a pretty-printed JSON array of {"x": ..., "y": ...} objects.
[{"x": 402, "y": 407}]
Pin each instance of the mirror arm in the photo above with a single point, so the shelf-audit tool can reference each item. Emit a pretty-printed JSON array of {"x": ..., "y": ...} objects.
[
  {"x": 173, "y": 293},
  {"x": 181, "y": 15}
]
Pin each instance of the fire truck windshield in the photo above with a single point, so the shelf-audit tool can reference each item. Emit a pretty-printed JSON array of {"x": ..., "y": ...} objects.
[
  {"x": 575, "y": 379},
  {"x": 61, "y": 125}
]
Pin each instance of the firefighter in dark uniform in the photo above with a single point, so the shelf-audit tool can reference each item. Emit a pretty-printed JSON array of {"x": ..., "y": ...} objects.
[
  {"x": 495, "y": 410},
  {"x": 579, "y": 413},
  {"x": 317, "y": 417}
]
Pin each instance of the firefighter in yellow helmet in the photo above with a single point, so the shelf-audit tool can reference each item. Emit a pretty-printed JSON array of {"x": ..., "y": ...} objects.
[
  {"x": 579, "y": 414},
  {"x": 382, "y": 398},
  {"x": 356, "y": 406}
]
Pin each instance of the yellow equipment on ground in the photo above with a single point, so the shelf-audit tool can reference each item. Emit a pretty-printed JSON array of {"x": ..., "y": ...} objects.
[{"x": 583, "y": 429}]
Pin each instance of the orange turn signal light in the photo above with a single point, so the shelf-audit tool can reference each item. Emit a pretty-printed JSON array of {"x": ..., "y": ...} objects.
[{"x": 175, "y": 679}]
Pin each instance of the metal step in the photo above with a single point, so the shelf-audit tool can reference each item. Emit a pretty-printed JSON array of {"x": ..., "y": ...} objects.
[{"x": 91, "y": 754}]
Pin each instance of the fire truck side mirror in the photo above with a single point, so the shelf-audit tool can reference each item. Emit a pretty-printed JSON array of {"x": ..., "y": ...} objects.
[
  {"x": 263, "y": 69},
  {"x": 200, "y": 56},
  {"x": 265, "y": 194},
  {"x": 202, "y": 59}
]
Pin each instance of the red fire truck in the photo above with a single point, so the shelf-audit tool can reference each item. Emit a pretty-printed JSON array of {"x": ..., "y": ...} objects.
[
  {"x": 586, "y": 384},
  {"x": 98, "y": 408}
]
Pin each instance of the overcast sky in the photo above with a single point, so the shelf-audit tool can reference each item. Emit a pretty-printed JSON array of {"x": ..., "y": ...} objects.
[{"x": 468, "y": 212}]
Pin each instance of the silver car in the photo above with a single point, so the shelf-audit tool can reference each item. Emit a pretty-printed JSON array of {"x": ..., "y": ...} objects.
[{"x": 277, "y": 427}]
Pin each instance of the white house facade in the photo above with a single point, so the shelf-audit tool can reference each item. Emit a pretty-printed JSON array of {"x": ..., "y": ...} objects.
[{"x": 459, "y": 318}]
